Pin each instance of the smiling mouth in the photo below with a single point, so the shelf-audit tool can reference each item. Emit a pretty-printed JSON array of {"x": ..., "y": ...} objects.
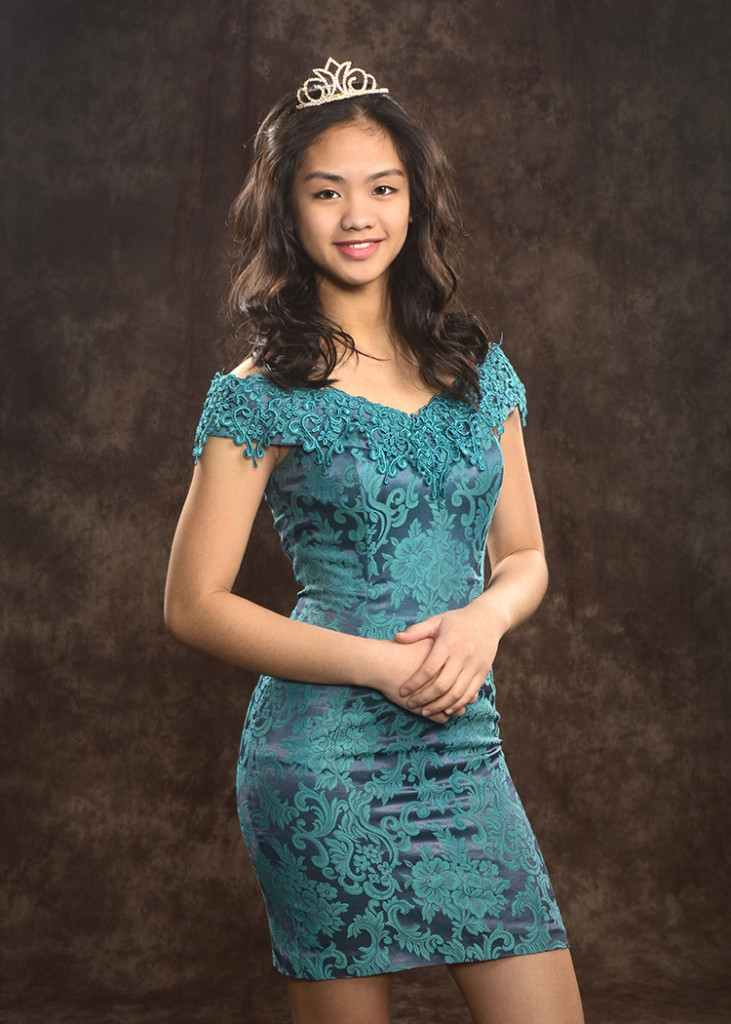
[
  {"x": 361, "y": 248},
  {"x": 360, "y": 242}
]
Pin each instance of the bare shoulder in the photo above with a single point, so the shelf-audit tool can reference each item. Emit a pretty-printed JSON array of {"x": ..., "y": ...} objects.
[{"x": 246, "y": 369}]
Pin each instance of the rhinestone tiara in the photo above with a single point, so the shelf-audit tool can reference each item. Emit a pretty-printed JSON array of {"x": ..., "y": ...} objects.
[{"x": 335, "y": 82}]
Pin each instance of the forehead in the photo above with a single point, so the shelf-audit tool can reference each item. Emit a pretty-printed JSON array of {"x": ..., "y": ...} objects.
[{"x": 350, "y": 150}]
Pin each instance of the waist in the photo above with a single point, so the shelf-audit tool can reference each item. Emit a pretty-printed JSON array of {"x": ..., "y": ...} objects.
[
  {"x": 291, "y": 719},
  {"x": 377, "y": 614}
]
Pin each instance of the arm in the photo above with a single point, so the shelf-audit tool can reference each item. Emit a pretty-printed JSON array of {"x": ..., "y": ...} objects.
[
  {"x": 466, "y": 639},
  {"x": 208, "y": 548}
]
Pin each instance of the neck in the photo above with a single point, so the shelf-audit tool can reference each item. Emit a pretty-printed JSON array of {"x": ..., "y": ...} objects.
[{"x": 364, "y": 314}]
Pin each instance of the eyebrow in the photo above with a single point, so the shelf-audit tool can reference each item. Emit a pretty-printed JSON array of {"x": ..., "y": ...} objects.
[{"x": 391, "y": 172}]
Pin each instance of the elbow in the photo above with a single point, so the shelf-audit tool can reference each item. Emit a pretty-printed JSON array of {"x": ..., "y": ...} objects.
[
  {"x": 525, "y": 559},
  {"x": 539, "y": 566},
  {"x": 178, "y": 618},
  {"x": 174, "y": 623},
  {"x": 543, "y": 569},
  {"x": 544, "y": 579},
  {"x": 193, "y": 618}
]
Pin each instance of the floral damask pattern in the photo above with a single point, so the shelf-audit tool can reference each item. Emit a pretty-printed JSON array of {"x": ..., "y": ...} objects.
[
  {"x": 427, "y": 564},
  {"x": 466, "y": 891},
  {"x": 381, "y": 840}
]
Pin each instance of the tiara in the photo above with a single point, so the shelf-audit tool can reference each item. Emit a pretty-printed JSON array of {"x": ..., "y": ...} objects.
[{"x": 335, "y": 82}]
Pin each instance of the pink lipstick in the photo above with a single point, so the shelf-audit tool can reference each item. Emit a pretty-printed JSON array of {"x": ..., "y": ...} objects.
[{"x": 359, "y": 249}]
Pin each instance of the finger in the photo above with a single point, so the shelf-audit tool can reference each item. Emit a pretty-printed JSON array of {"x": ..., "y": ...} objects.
[
  {"x": 443, "y": 691},
  {"x": 448, "y": 704},
  {"x": 440, "y": 718},
  {"x": 464, "y": 691},
  {"x": 470, "y": 696},
  {"x": 433, "y": 687},
  {"x": 417, "y": 631},
  {"x": 437, "y": 673},
  {"x": 479, "y": 683},
  {"x": 428, "y": 670}
]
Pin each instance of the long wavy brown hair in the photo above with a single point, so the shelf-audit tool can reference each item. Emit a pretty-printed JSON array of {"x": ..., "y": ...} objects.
[{"x": 273, "y": 301}]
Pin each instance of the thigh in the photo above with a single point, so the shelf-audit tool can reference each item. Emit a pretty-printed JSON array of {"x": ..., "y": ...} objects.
[
  {"x": 534, "y": 988},
  {"x": 341, "y": 1001}
]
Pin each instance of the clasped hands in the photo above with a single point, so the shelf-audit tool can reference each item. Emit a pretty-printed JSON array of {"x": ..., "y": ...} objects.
[{"x": 455, "y": 652}]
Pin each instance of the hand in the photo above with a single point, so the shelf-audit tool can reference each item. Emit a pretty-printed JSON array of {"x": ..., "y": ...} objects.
[
  {"x": 398, "y": 664},
  {"x": 451, "y": 674}
]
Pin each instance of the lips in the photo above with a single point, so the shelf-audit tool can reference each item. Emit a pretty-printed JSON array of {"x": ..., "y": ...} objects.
[{"x": 360, "y": 249}]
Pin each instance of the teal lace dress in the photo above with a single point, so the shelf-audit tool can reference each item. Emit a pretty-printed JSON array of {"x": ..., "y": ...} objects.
[{"x": 381, "y": 840}]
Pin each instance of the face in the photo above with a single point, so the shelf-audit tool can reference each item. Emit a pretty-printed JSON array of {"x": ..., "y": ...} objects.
[{"x": 351, "y": 203}]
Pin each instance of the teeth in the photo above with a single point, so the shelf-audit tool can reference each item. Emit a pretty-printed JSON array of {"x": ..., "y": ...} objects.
[{"x": 360, "y": 245}]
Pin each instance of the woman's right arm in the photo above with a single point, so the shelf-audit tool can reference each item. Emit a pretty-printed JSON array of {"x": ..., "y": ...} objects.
[{"x": 200, "y": 609}]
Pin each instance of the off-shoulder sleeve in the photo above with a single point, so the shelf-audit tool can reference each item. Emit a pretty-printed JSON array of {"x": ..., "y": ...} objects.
[
  {"x": 502, "y": 389},
  {"x": 251, "y": 411}
]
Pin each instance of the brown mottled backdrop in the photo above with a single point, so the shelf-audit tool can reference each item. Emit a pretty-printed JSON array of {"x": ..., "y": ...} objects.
[{"x": 590, "y": 141}]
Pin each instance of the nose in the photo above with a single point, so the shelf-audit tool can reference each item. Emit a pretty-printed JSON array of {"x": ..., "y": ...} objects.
[{"x": 357, "y": 214}]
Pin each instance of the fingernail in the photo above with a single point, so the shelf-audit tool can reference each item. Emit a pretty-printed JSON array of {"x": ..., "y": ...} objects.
[
  {"x": 448, "y": 711},
  {"x": 426, "y": 712}
]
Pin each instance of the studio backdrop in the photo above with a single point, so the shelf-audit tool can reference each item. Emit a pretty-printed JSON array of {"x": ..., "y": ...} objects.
[{"x": 588, "y": 141}]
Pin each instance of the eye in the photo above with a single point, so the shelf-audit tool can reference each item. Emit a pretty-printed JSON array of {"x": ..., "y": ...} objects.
[
  {"x": 326, "y": 193},
  {"x": 383, "y": 190}
]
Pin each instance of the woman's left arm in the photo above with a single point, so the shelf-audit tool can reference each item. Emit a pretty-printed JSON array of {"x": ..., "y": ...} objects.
[{"x": 466, "y": 639}]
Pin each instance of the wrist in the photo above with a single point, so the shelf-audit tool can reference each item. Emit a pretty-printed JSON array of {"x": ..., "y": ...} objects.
[
  {"x": 369, "y": 663},
  {"x": 493, "y": 614}
]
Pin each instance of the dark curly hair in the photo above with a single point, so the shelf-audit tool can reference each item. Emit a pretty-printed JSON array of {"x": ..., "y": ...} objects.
[{"x": 273, "y": 301}]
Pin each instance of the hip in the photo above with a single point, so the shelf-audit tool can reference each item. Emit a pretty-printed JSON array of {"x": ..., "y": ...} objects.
[{"x": 298, "y": 722}]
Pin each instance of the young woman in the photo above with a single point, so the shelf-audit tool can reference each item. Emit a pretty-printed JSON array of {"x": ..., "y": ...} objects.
[{"x": 384, "y": 431}]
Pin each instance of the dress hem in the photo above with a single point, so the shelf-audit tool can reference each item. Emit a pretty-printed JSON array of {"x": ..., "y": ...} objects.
[{"x": 440, "y": 962}]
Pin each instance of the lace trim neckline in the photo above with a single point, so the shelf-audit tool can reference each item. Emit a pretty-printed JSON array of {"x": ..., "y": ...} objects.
[
  {"x": 345, "y": 396},
  {"x": 256, "y": 412}
]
